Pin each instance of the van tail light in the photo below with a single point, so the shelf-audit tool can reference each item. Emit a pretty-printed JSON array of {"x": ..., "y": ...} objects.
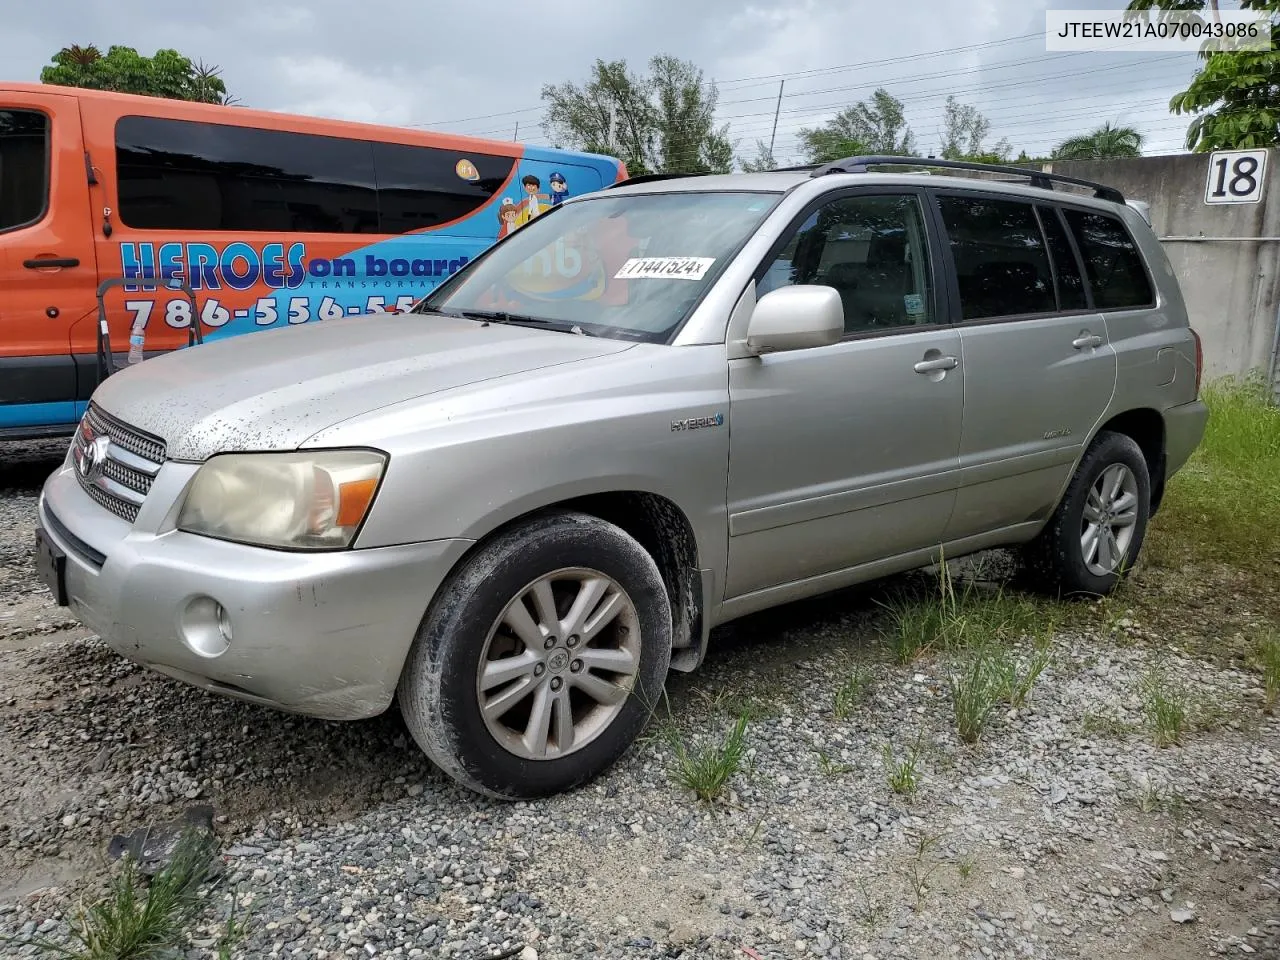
[{"x": 1199, "y": 360}]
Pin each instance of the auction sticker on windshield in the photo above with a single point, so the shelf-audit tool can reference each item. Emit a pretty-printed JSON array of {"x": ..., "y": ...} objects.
[{"x": 665, "y": 268}]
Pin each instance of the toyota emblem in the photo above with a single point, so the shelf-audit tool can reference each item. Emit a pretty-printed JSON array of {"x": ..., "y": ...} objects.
[{"x": 93, "y": 457}]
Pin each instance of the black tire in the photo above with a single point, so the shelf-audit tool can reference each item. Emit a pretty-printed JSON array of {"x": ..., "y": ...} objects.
[
  {"x": 1054, "y": 562},
  {"x": 437, "y": 689}
]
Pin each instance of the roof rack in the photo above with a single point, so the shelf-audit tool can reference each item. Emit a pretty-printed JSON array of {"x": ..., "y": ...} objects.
[
  {"x": 1038, "y": 177},
  {"x": 650, "y": 177}
]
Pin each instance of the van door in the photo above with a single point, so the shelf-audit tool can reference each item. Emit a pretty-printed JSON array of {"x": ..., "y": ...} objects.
[{"x": 48, "y": 275}]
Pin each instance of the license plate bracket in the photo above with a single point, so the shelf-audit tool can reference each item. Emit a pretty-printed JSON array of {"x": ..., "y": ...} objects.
[{"x": 51, "y": 566}]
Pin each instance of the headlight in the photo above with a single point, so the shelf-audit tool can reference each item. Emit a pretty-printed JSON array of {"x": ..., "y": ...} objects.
[{"x": 314, "y": 500}]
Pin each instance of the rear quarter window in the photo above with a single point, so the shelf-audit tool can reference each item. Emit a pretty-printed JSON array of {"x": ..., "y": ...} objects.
[{"x": 1114, "y": 267}]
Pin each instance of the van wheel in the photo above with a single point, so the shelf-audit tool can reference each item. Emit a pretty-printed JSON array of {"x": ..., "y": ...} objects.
[
  {"x": 540, "y": 659},
  {"x": 1094, "y": 536}
]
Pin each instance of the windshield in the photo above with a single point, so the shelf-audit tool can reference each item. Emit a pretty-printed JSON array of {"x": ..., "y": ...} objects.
[{"x": 630, "y": 267}]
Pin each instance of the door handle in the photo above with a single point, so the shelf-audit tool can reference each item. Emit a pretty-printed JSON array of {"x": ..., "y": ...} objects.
[
  {"x": 1087, "y": 340},
  {"x": 44, "y": 263},
  {"x": 938, "y": 363}
]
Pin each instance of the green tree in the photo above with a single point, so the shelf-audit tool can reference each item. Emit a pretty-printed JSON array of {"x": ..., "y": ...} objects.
[
  {"x": 124, "y": 70},
  {"x": 1234, "y": 98},
  {"x": 1104, "y": 143},
  {"x": 877, "y": 126},
  {"x": 963, "y": 131},
  {"x": 762, "y": 161},
  {"x": 659, "y": 122}
]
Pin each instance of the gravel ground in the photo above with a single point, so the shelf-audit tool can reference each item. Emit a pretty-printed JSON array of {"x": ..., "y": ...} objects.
[{"x": 1064, "y": 833}]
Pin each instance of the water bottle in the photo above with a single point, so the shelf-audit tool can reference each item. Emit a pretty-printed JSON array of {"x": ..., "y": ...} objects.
[{"x": 137, "y": 336}]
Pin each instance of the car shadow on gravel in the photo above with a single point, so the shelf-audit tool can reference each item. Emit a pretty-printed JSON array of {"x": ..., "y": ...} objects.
[{"x": 25, "y": 465}]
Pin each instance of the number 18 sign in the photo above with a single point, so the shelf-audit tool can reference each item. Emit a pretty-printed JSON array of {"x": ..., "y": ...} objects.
[{"x": 1235, "y": 176}]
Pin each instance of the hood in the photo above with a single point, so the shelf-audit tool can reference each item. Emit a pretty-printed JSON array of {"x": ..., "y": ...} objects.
[{"x": 272, "y": 389}]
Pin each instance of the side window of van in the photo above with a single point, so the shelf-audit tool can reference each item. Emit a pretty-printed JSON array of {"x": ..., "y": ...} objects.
[
  {"x": 183, "y": 175},
  {"x": 1111, "y": 260},
  {"x": 24, "y": 167},
  {"x": 1002, "y": 264}
]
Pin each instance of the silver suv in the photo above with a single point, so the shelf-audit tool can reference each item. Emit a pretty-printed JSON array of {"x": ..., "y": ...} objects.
[{"x": 649, "y": 411}]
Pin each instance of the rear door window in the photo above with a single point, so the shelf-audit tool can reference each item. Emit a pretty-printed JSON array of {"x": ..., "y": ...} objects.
[
  {"x": 1002, "y": 263},
  {"x": 1111, "y": 261},
  {"x": 24, "y": 167},
  {"x": 1070, "y": 284}
]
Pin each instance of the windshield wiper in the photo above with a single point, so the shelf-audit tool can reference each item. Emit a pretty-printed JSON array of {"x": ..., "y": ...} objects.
[{"x": 519, "y": 319}]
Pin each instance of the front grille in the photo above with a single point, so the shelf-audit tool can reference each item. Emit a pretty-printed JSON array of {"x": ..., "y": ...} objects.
[{"x": 115, "y": 463}]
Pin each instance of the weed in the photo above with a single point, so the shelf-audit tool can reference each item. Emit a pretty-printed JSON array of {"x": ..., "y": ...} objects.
[
  {"x": 1014, "y": 679},
  {"x": 708, "y": 770},
  {"x": 976, "y": 688},
  {"x": 852, "y": 692},
  {"x": 1102, "y": 725},
  {"x": 1269, "y": 658},
  {"x": 965, "y": 866},
  {"x": 233, "y": 934},
  {"x": 128, "y": 924},
  {"x": 872, "y": 908},
  {"x": 829, "y": 767},
  {"x": 1165, "y": 703},
  {"x": 973, "y": 617},
  {"x": 903, "y": 774},
  {"x": 918, "y": 871},
  {"x": 1150, "y": 796}
]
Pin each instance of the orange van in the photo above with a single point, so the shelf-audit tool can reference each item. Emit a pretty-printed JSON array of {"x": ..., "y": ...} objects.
[{"x": 270, "y": 219}]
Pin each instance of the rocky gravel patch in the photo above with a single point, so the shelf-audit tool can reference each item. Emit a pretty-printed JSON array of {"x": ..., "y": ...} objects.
[{"x": 1062, "y": 833}]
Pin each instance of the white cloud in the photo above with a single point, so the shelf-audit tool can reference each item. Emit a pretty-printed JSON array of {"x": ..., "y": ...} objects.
[{"x": 409, "y": 62}]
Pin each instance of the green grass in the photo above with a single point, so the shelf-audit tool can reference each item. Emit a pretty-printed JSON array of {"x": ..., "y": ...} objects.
[
  {"x": 1223, "y": 504},
  {"x": 976, "y": 686},
  {"x": 1269, "y": 661},
  {"x": 708, "y": 770},
  {"x": 949, "y": 620},
  {"x": 903, "y": 773},
  {"x": 132, "y": 924},
  {"x": 1166, "y": 704},
  {"x": 832, "y": 768},
  {"x": 852, "y": 692}
]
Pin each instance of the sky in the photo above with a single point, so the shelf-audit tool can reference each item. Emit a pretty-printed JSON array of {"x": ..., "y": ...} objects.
[{"x": 480, "y": 68}]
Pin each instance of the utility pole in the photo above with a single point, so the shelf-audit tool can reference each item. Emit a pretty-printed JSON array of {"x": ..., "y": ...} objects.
[
  {"x": 776, "y": 110},
  {"x": 516, "y": 135}
]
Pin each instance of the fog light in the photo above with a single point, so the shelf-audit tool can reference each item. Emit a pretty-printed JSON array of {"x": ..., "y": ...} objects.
[{"x": 206, "y": 627}]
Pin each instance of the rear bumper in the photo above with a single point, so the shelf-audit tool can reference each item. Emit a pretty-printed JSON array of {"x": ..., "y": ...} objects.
[
  {"x": 323, "y": 634},
  {"x": 1184, "y": 427}
]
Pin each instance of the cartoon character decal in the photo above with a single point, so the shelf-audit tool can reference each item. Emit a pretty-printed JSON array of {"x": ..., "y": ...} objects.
[
  {"x": 508, "y": 217},
  {"x": 534, "y": 202},
  {"x": 559, "y": 188}
]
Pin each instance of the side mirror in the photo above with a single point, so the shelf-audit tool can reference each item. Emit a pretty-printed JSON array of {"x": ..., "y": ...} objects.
[{"x": 795, "y": 318}]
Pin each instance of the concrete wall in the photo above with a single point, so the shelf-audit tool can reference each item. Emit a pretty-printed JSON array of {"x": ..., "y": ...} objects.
[{"x": 1232, "y": 287}]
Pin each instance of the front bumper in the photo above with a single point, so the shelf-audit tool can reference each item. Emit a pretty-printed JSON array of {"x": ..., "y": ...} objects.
[{"x": 322, "y": 634}]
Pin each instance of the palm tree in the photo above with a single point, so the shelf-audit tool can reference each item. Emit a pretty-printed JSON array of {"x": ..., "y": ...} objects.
[{"x": 1104, "y": 143}]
